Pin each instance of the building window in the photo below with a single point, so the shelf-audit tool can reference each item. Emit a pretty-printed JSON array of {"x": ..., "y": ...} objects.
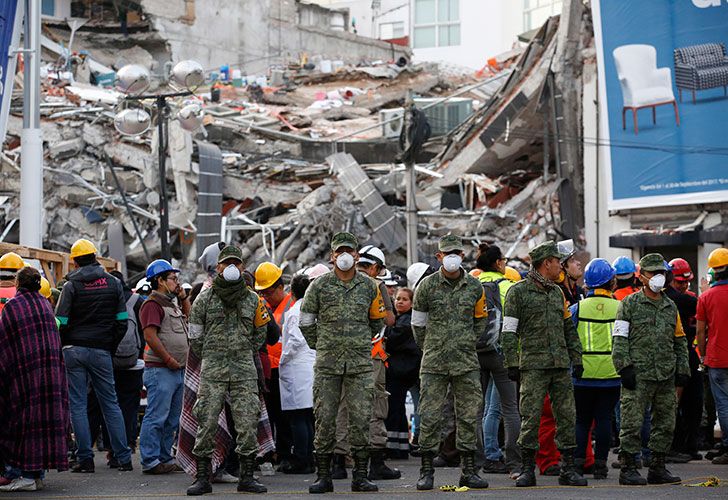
[
  {"x": 48, "y": 8},
  {"x": 389, "y": 31},
  {"x": 535, "y": 12},
  {"x": 437, "y": 23}
]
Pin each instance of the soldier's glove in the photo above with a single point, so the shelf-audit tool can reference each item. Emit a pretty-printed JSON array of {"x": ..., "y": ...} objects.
[
  {"x": 577, "y": 371},
  {"x": 629, "y": 378},
  {"x": 514, "y": 373},
  {"x": 681, "y": 380}
]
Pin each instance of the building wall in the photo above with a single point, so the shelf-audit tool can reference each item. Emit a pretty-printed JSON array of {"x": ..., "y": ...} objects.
[
  {"x": 253, "y": 34},
  {"x": 366, "y": 20}
]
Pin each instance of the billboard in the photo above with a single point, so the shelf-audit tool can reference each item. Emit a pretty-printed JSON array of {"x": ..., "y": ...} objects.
[
  {"x": 663, "y": 100},
  {"x": 11, "y": 12}
]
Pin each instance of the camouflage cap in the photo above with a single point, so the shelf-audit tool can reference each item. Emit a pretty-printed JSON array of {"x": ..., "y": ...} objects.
[
  {"x": 450, "y": 243},
  {"x": 544, "y": 251},
  {"x": 344, "y": 239},
  {"x": 652, "y": 262},
  {"x": 230, "y": 252}
]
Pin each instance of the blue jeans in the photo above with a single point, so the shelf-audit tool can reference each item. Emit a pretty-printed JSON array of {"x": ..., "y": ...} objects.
[
  {"x": 491, "y": 423},
  {"x": 84, "y": 365},
  {"x": 161, "y": 419},
  {"x": 719, "y": 387}
]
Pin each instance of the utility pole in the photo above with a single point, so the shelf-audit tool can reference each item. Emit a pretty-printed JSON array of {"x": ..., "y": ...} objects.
[
  {"x": 412, "y": 255},
  {"x": 31, "y": 143}
]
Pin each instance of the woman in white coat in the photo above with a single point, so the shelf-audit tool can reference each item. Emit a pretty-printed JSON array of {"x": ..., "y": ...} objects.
[{"x": 296, "y": 382}]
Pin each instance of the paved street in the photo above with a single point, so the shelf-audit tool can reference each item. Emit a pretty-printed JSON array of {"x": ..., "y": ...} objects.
[{"x": 107, "y": 483}]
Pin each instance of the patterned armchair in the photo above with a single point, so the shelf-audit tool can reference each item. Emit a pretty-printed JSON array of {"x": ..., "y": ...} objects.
[{"x": 701, "y": 67}]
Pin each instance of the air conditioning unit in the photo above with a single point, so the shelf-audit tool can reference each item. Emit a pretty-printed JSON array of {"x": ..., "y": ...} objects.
[{"x": 442, "y": 118}]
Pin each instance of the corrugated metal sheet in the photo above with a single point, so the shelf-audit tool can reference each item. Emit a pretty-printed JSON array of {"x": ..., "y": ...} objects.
[
  {"x": 387, "y": 229},
  {"x": 209, "y": 195}
]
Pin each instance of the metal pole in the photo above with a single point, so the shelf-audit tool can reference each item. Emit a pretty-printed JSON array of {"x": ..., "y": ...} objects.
[
  {"x": 31, "y": 151},
  {"x": 163, "y": 205},
  {"x": 412, "y": 255}
]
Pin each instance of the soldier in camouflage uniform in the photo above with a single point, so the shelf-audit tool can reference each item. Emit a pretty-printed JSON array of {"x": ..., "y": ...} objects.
[
  {"x": 341, "y": 312},
  {"x": 539, "y": 342},
  {"x": 227, "y": 327},
  {"x": 448, "y": 315},
  {"x": 650, "y": 352}
]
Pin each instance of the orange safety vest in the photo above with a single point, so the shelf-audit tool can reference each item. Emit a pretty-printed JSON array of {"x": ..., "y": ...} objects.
[
  {"x": 6, "y": 293},
  {"x": 378, "y": 350},
  {"x": 274, "y": 351},
  {"x": 624, "y": 292}
]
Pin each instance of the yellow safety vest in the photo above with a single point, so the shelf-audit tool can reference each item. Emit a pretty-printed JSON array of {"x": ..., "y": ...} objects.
[{"x": 596, "y": 321}]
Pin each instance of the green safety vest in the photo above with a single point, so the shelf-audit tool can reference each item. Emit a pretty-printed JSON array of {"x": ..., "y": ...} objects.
[{"x": 596, "y": 321}]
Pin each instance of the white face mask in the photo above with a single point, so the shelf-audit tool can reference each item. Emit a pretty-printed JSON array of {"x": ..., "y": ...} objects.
[
  {"x": 345, "y": 261},
  {"x": 657, "y": 282},
  {"x": 452, "y": 262},
  {"x": 231, "y": 273}
]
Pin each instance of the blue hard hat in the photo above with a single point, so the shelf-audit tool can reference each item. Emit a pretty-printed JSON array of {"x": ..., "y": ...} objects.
[
  {"x": 158, "y": 267},
  {"x": 624, "y": 265},
  {"x": 598, "y": 272}
]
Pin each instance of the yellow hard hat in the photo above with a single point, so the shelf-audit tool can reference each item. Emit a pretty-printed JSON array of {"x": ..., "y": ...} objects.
[
  {"x": 45, "y": 288},
  {"x": 512, "y": 275},
  {"x": 82, "y": 247},
  {"x": 266, "y": 275},
  {"x": 11, "y": 260},
  {"x": 717, "y": 258}
]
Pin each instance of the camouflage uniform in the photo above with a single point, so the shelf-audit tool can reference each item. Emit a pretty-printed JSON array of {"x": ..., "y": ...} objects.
[
  {"x": 226, "y": 344},
  {"x": 648, "y": 336},
  {"x": 447, "y": 318},
  {"x": 539, "y": 337},
  {"x": 339, "y": 319}
]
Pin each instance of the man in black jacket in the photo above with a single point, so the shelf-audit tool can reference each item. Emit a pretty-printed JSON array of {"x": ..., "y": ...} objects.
[{"x": 93, "y": 317}]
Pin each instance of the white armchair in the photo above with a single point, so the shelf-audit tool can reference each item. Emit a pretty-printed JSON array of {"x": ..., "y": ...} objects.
[{"x": 643, "y": 84}]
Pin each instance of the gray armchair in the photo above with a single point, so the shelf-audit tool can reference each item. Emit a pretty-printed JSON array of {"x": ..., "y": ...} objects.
[{"x": 701, "y": 67}]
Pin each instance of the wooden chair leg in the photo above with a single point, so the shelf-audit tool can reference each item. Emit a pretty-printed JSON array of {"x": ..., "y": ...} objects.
[
  {"x": 634, "y": 119},
  {"x": 624, "y": 118},
  {"x": 654, "y": 115},
  {"x": 677, "y": 113}
]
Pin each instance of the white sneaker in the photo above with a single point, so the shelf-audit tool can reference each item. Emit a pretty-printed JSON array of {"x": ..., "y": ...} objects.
[
  {"x": 20, "y": 484},
  {"x": 223, "y": 477}
]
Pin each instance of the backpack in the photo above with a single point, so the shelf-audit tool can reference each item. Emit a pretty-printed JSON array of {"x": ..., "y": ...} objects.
[
  {"x": 488, "y": 340},
  {"x": 127, "y": 353}
]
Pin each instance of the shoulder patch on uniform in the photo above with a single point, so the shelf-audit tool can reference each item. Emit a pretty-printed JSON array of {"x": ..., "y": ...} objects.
[{"x": 261, "y": 314}]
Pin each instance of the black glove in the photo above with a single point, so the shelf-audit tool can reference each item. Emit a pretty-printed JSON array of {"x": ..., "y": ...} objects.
[
  {"x": 577, "y": 371},
  {"x": 629, "y": 378},
  {"x": 514, "y": 373},
  {"x": 681, "y": 380}
]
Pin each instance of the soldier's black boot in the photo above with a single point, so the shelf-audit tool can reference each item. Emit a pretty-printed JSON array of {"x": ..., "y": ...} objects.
[
  {"x": 568, "y": 475},
  {"x": 338, "y": 471},
  {"x": 323, "y": 483},
  {"x": 378, "y": 469},
  {"x": 469, "y": 476},
  {"x": 247, "y": 481},
  {"x": 628, "y": 475},
  {"x": 359, "y": 481},
  {"x": 427, "y": 471},
  {"x": 658, "y": 474},
  {"x": 527, "y": 477},
  {"x": 202, "y": 478},
  {"x": 600, "y": 469}
]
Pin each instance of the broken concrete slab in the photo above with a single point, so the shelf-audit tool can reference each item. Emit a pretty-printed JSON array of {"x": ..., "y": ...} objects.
[{"x": 66, "y": 149}]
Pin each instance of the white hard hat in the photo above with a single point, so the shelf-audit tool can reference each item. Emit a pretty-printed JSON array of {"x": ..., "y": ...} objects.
[
  {"x": 142, "y": 284},
  {"x": 388, "y": 278},
  {"x": 316, "y": 271},
  {"x": 186, "y": 286},
  {"x": 415, "y": 272},
  {"x": 369, "y": 254}
]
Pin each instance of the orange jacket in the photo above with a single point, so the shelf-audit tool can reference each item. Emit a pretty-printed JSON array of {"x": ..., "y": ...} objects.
[
  {"x": 6, "y": 293},
  {"x": 274, "y": 351},
  {"x": 624, "y": 292}
]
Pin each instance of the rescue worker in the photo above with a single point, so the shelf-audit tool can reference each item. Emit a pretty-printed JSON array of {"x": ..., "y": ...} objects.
[
  {"x": 650, "y": 353},
  {"x": 597, "y": 392},
  {"x": 626, "y": 279},
  {"x": 269, "y": 285},
  {"x": 227, "y": 327},
  {"x": 690, "y": 405},
  {"x": 341, "y": 312},
  {"x": 448, "y": 314},
  {"x": 10, "y": 264},
  {"x": 540, "y": 342}
]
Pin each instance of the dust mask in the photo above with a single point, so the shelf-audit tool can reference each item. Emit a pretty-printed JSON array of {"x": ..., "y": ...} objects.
[
  {"x": 231, "y": 273},
  {"x": 452, "y": 262},
  {"x": 657, "y": 283},
  {"x": 345, "y": 261}
]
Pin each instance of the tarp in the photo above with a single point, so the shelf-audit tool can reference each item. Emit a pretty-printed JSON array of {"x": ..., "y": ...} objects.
[{"x": 679, "y": 154}]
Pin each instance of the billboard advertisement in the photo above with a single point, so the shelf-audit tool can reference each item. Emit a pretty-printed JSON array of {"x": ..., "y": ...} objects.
[
  {"x": 10, "y": 25},
  {"x": 663, "y": 100}
]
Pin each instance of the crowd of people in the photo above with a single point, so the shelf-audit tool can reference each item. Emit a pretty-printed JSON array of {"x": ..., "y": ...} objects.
[{"x": 506, "y": 371}]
